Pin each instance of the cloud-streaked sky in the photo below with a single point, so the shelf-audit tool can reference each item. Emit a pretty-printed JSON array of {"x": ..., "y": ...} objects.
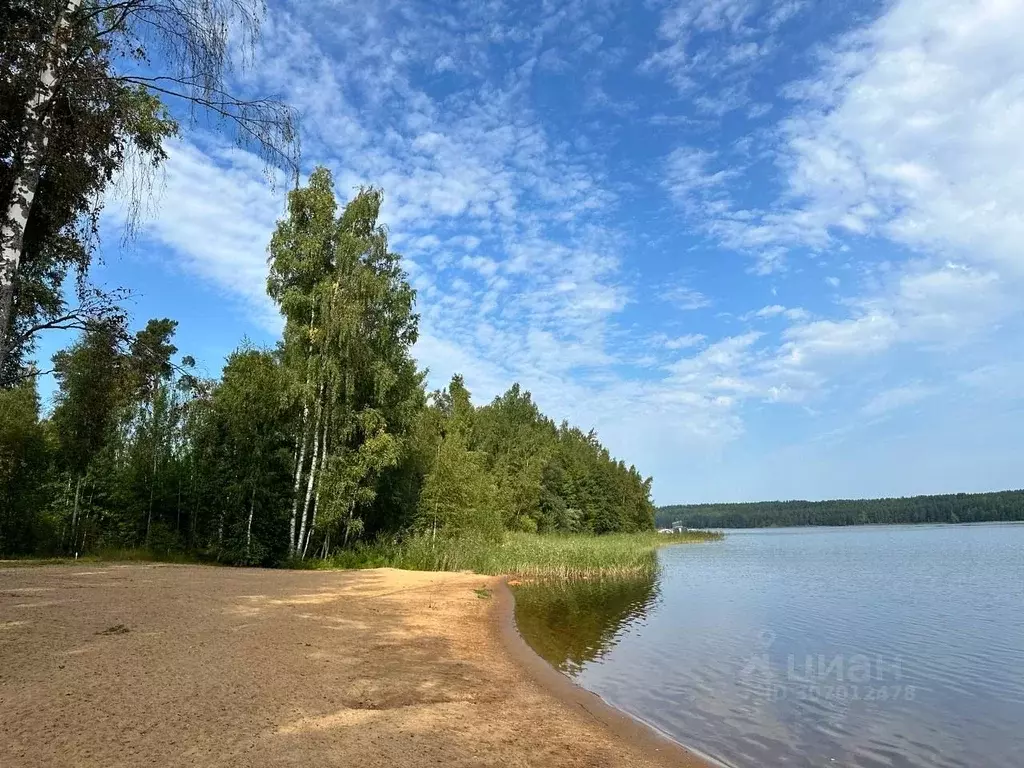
[{"x": 767, "y": 248}]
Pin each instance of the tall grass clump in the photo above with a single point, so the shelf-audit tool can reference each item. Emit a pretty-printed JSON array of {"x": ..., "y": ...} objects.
[{"x": 519, "y": 555}]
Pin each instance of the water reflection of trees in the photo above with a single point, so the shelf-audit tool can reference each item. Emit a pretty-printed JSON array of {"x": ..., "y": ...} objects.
[{"x": 572, "y": 623}]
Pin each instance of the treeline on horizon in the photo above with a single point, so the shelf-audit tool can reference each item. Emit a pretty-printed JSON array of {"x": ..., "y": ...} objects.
[
  {"x": 999, "y": 506},
  {"x": 324, "y": 441}
]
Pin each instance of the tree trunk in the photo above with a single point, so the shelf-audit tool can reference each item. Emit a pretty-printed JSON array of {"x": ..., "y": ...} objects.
[
  {"x": 300, "y": 464},
  {"x": 85, "y": 517},
  {"x": 152, "y": 485},
  {"x": 437, "y": 462},
  {"x": 74, "y": 514},
  {"x": 313, "y": 466},
  {"x": 348, "y": 523},
  {"x": 248, "y": 528},
  {"x": 312, "y": 525},
  {"x": 195, "y": 502},
  {"x": 316, "y": 498},
  {"x": 298, "y": 477},
  {"x": 30, "y": 156}
]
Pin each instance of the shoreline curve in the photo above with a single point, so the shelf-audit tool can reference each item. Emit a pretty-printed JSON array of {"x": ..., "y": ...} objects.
[{"x": 645, "y": 738}]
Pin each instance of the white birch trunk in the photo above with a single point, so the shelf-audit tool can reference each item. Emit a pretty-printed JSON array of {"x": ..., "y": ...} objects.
[
  {"x": 298, "y": 477},
  {"x": 300, "y": 465},
  {"x": 316, "y": 498},
  {"x": 152, "y": 482},
  {"x": 23, "y": 193},
  {"x": 74, "y": 513},
  {"x": 248, "y": 527},
  {"x": 348, "y": 523},
  {"x": 312, "y": 524},
  {"x": 311, "y": 482}
]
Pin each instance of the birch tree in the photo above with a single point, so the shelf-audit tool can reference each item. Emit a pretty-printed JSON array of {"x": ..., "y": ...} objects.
[
  {"x": 30, "y": 156},
  {"x": 92, "y": 124},
  {"x": 301, "y": 258},
  {"x": 349, "y": 329},
  {"x": 120, "y": 62}
]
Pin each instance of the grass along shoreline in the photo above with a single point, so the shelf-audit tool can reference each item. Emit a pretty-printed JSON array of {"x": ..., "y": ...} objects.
[
  {"x": 517, "y": 555},
  {"x": 520, "y": 555}
]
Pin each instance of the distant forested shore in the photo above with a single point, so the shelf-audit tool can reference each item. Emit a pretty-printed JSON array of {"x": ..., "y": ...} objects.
[{"x": 1000, "y": 506}]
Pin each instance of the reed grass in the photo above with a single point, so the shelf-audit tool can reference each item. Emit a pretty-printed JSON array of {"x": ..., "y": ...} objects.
[{"x": 520, "y": 555}]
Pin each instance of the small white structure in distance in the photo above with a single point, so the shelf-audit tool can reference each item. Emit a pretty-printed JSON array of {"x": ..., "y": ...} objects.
[{"x": 677, "y": 527}]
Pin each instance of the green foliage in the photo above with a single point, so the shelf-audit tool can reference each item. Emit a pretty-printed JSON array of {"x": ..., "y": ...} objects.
[
  {"x": 508, "y": 460},
  {"x": 326, "y": 446},
  {"x": 457, "y": 496},
  {"x": 349, "y": 329},
  {"x": 106, "y": 109},
  {"x": 91, "y": 377},
  {"x": 23, "y": 461},
  {"x": 96, "y": 123},
  {"x": 1001, "y": 506},
  {"x": 239, "y": 460}
]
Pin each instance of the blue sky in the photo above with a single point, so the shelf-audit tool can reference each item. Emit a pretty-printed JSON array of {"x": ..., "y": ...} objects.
[{"x": 768, "y": 249}]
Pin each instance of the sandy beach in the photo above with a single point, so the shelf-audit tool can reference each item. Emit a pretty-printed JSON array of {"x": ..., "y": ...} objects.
[{"x": 130, "y": 665}]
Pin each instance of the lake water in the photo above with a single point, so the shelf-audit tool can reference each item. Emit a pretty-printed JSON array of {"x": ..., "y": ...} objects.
[{"x": 894, "y": 646}]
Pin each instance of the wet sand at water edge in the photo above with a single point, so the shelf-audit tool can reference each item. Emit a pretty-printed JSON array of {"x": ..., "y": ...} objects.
[{"x": 166, "y": 665}]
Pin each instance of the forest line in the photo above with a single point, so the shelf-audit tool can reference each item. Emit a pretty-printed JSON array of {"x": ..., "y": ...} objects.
[
  {"x": 326, "y": 440},
  {"x": 998, "y": 506}
]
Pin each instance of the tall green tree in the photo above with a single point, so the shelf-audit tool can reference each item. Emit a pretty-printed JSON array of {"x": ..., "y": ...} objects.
[
  {"x": 458, "y": 494},
  {"x": 23, "y": 467},
  {"x": 156, "y": 407},
  {"x": 83, "y": 86},
  {"x": 242, "y": 450},
  {"x": 349, "y": 329},
  {"x": 519, "y": 443},
  {"x": 92, "y": 387},
  {"x": 301, "y": 258}
]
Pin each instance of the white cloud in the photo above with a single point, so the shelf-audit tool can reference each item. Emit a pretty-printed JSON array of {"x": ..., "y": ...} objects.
[
  {"x": 684, "y": 342},
  {"x": 777, "y": 310},
  {"x": 871, "y": 332},
  {"x": 896, "y": 398},
  {"x": 520, "y": 237},
  {"x": 689, "y": 179},
  {"x": 482, "y": 264},
  {"x": 911, "y": 130},
  {"x": 685, "y": 298},
  {"x": 709, "y": 49},
  {"x": 216, "y": 212},
  {"x": 908, "y": 132}
]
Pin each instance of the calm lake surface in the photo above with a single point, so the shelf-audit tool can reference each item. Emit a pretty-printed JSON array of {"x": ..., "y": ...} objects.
[{"x": 895, "y": 646}]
